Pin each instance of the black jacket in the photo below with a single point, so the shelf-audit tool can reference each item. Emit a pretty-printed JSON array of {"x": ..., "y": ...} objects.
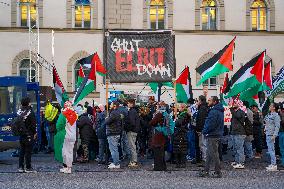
[
  {"x": 214, "y": 123},
  {"x": 237, "y": 122},
  {"x": 30, "y": 121},
  {"x": 180, "y": 141},
  {"x": 100, "y": 125},
  {"x": 85, "y": 125},
  {"x": 201, "y": 116},
  {"x": 132, "y": 121},
  {"x": 281, "y": 114},
  {"x": 114, "y": 123}
]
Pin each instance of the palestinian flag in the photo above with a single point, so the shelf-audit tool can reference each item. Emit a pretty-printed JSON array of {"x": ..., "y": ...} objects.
[
  {"x": 60, "y": 92},
  {"x": 155, "y": 86},
  {"x": 267, "y": 77},
  {"x": 183, "y": 86},
  {"x": 87, "y": 86},
  {"x": 222, "y": 90},
  {"x": 94, "y": 59},
  {"x": 220, "y": 63},
  {"x": 248, "y": 76},
  {"x": 80, "y": 78}
]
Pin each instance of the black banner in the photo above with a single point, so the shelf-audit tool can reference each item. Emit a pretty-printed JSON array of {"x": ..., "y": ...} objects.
[{"x": 140, "y": 56}]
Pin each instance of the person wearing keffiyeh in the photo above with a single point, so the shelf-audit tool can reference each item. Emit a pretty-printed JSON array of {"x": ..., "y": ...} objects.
[{"x": 65, "y": 137}]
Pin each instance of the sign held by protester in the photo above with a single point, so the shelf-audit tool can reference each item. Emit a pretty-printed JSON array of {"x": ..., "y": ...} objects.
[{"x": 140, "y": 56}]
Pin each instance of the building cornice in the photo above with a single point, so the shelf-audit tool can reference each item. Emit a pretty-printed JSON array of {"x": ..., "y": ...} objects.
[{"x": 176, "y": 32}]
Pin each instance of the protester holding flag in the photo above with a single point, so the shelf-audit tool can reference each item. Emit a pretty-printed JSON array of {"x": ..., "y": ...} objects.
[
  {"x": 113, "y": 131},
  {"x": 65, "y": 137},
  {"x": 238, "y": 134},
  {"x": 200, "y": 121},
  {"x": 272, "y": 126}
]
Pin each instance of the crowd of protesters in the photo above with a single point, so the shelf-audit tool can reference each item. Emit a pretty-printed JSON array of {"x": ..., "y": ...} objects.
[{"x": 196, "y": 134}]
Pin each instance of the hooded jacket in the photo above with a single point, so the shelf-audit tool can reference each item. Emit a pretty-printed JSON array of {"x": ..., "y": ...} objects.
[
  {"x": 30, "y": 120},
  {"x": 214, "y": 123},
  {"x": 85, "y": 125},
  {"x": 201, "y": 117},
  {"x": 237, "y": 122},
  {"x": 114, "y": 123},
  {"x": 132, "y": 121},
  {"x": 272, "y": 124}
]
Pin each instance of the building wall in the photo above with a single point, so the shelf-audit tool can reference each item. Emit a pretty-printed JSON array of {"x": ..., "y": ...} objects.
[{"x": 54, "y": 14}]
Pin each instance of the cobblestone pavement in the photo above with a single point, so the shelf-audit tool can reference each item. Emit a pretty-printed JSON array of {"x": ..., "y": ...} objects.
[{"x": 91, "y": 175}]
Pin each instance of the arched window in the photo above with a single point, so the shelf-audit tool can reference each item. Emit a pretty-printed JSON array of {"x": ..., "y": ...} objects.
[
  {"x": 28, "y": 12},
  {"x": 76, "y": 71},
  {"x": 209, "y": 15},
  {"x": 82, "y": 14},
  {"x": 157, "y": 11},
  {"x": 258, "y": 15},
  {"x": 24, "y": 70}
]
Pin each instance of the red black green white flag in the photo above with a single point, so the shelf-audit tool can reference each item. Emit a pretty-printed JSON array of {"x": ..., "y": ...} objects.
[
  {"x": 220, "y": 63},
  {"x": 80, "y": 78},
  {"x": 94, "y": 59},
  {"x": 61, "y": 94},
  {"x": 183, "y": 86},
  {"x": 248, "y": 76}
]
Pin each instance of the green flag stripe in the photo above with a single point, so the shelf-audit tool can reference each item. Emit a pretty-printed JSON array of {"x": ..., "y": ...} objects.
[
  {"x": 217, "y": 70},
  {"x": 90, "y": 87}
]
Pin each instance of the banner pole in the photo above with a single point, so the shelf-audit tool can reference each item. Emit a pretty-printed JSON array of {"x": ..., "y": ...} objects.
[
  {"x": 107, "y": 107},
  {"x": 175, "y": 97}
]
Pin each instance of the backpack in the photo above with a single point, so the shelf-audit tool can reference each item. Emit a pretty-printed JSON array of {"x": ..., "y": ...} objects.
[{"x": 18, "y": 125}]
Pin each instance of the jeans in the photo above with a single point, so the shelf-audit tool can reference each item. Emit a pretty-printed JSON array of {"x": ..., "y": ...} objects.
[
  {"x": 238, "y": 141},
  {"x": 191, "y": 143},
  {"x": 131, "y": 137},
  {"x": 113, "y": 147},
  {"x": 271, "y": 149},
  {"x": 102, "y": 148},
  {"x": 257, "y": 136},
  {"x": 248, "y": 146},
  {"x": 281, "y": 145},
  {"x": 124, "y": 145},
  {"x": 203, "y": 147},
  {"x": 26, "y": 146},
  {"x": 212, "y": 154}
]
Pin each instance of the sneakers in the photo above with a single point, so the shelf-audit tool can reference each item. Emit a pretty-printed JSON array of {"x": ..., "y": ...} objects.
[
  {"x": 67, "y": 170},
  {"x": 234, "y": 163},
  {"x": 203, "y": 174},
  {"x": 133, "y": 165},
  {"x": 217, "y": 175},
  {"x": 21, "y": 170},
  {"x": 62, "y": 170},
  {"x": 271, "y": 168},
  {"x": 30, "y": 170},
  {"x": 113, "y": 166},
  {"x": 239, "y": 166}
]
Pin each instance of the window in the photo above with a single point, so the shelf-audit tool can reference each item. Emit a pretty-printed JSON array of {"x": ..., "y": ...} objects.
[
  {"x": 28, "y": 13},
  {"x": 211, "y": 82},
  {"x": 157, "y": 10},
  {"x": 209, "y": 15},
  {"x": 24, "y": 70},
  {"x": 76, "y": 70},
  {"x": 82, "y": 14},
  {"x": 258, "y": 15}
]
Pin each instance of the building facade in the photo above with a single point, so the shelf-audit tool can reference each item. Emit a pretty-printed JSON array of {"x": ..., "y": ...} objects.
[{"x": 201, "y": 29}]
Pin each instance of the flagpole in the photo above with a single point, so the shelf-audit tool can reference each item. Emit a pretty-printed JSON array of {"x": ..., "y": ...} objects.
[
  {"x": 175, "y": 93},
  {"x": 107, "y": 107}
]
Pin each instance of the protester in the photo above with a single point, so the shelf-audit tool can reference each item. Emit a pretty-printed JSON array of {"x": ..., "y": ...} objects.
[
  {"x": 200, "y": 120},
  {"x": 213, "y": 131},
  {"x": 132, "y": 127},
  {"x": 238, "y": 133},
  {"x": 257, "y": 131},
  {"x": 101, "y": 134},
  {"x": 65, "y": 137},
  {"x": 191, "y": 135},
  {"x": 143, "y": 137},
  {"x": 272, "y": 125},
  {"x": 249, "y": 131},
  {"x": 180, "y": 141},
  {"x": 113, "y": 132},
  {"x": 85, "y": 124},
  {"x": 27, "y": 136}
]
